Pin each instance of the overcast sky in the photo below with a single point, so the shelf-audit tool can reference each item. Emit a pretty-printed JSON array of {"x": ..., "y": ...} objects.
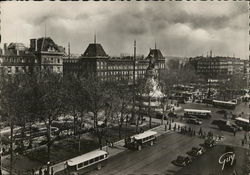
[{"x": 178, "y": 28}]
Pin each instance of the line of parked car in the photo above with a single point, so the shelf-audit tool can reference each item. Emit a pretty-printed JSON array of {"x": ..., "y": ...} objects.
[{"x": 194, "y": 153}]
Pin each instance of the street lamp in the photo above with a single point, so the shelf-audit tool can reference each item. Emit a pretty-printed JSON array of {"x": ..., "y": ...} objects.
[
  {"x": 48, "y": 168},
  {"x": 1, "y": 148}
]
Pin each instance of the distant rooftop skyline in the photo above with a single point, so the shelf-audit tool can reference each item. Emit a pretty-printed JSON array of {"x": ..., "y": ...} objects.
[{"x": 179, "y": 28}]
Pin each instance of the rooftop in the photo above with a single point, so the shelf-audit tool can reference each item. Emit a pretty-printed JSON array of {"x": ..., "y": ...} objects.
[
  {"x": 156, "y": 54},
  {"x": 95, "y": 50}
]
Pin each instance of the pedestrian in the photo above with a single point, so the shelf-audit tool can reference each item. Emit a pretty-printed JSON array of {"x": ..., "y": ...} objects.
[
  {"x": 200, "y": 131},
  {"x": 234, "y": 132},
  {"x": 45, "y": 172},
  {"x": 165, "y": 127},
  {"x": 52, "y": 171},
  {"x": 40, "y": 171},
  {"x": 242, "y": 142},
  {"x": 175, "y": 127},
  {"x": 178, "y": 127},
  {"x": 33, "y": 171},
  {"x": 189, "y": 130}
]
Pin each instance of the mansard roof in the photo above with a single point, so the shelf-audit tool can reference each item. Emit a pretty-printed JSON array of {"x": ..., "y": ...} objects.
[
  {"x": 156, "y": 54},
  {"x": 47, "y": 44},
  {"x": 95, "y": 50}
]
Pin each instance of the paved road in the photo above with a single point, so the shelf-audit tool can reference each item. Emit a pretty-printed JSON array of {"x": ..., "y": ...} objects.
[{"x": 151, "y": 160}]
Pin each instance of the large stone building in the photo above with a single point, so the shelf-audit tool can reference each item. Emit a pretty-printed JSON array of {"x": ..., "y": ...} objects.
[
  {"x": 49, "y": 54},
  {"x": 96, "y": 62},
  {"x": 16, "y": 58},
  {"x": 43, "y": 54},
  {"x": 218, "y": 67}
]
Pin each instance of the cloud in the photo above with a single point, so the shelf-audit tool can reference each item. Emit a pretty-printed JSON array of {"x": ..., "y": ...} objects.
[{"x": 178, "y": 28}]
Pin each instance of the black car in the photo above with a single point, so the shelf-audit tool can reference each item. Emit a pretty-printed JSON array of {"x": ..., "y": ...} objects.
[
  {"x": 208, "y": 143},
  {"x": 182, "y": 161},
  {"x": 194, "y": 121},
  {"x": 195, "y": 152},
  {"x": 172, "y": 115}
]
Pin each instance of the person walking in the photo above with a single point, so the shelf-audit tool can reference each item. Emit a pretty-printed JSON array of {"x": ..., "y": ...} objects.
[
  {"x": 52, "y": 171},
  {"x": 242, "y": 142}
]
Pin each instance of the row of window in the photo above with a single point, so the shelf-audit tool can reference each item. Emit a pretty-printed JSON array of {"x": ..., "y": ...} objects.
[
  {"x": 52, "y": 60},
  {"x": 91, "y": 161},
  {"x": 19, "y": 60},
  {"x": 104, "y": 73},
  {"x": 148, "y": 138},
  {"x": 19, "y": 69}
]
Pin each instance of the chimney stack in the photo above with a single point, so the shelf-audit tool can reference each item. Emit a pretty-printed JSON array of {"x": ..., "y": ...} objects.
[
  {"x": 69, "y": 49},
  {"x": 33, "y": 44},
  {"x": 17, "y": 50},
  {"x": 4, "y": 48}
]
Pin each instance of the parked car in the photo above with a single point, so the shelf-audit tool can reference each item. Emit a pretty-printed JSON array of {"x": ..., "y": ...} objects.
[
  {"x": 195, "y": 152},
  {"x": 226, "y": 125},
  {"x": 172, "y": 115},
  {"x": 222, "y": 111},
  {"x": 208, "y": 143},
  {"x": 182, "y": 161},
  {"x": 194, "y": 121}
]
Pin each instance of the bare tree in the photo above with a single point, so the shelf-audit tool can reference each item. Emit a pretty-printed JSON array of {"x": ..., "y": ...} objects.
[
  {"x": 96, "y": 95},
  {"x": 12, "y": 93},
  {"x": 49, "y": 97}
]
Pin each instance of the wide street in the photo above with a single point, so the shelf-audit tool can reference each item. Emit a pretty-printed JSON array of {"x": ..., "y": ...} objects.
[
  {"x": 157, "y": 159},
  {"x": 151, "y": 160}
]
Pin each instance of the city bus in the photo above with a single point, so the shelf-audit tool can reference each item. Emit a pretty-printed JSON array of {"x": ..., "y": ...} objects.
[
  {"x": 139, "y": 140},
  {"x": 204, "y": 114},
  {"x": 87, "y": 162},
  {"x": 224, "y": 104},
  {"x": 243, "y": 122}
]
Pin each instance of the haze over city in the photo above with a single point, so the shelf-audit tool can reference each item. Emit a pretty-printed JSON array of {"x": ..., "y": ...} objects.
[{"x": 179, "y": 29}]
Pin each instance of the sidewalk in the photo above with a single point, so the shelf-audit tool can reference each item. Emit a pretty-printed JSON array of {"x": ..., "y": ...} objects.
[{"x": 118, "y": 146}]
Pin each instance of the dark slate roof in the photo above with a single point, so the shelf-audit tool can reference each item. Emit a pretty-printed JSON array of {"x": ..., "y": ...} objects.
[
  {"x": 47, "y": 44},
  {"x": 156, "y": 54},
  {"x": 14, "y": 48},
  {"x": 95, "y": 50}
]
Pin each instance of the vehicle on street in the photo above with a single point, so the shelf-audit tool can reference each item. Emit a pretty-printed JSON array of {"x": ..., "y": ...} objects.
[
  {"x": 204, "y": 114},
  {"x": 182, "y": 161},
  {"x": 194, "y": 121},
  {"x": 242, "y": 122},
  {"x": 225, "y": 125},
  {"x": 172, "y": 115},
  {"x": 87, "y": 162},
  {"x": 196, "y": 152},
  {"x": 222, "y": 111},
  {"x": 208, "y": 143},
  {"x": 140, "y": 140},
  {"x": 224, "y": 104}
]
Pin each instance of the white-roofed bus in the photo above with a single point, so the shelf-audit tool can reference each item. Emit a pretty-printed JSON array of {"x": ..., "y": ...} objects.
[
  {"x": 243, "y": 122},
  {"x": 204, "y": 114},
  {"x": 225, "y": 104},
  {"x": 87, "y": 162},
  {"x": 140, "y": 140}
]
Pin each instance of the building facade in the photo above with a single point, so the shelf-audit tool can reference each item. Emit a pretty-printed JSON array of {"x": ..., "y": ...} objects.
[
  {"x": 96, "y": 62},
  {"x": 218, "y": 67},
  {"x": 43, "y": 54}
]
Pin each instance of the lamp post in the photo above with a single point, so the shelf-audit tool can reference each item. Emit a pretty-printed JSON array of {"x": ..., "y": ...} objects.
[
  {"x": 133, "y": 110},
  {"x": 48, "y": 168},
  {"x": 1, "y": 148}
]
